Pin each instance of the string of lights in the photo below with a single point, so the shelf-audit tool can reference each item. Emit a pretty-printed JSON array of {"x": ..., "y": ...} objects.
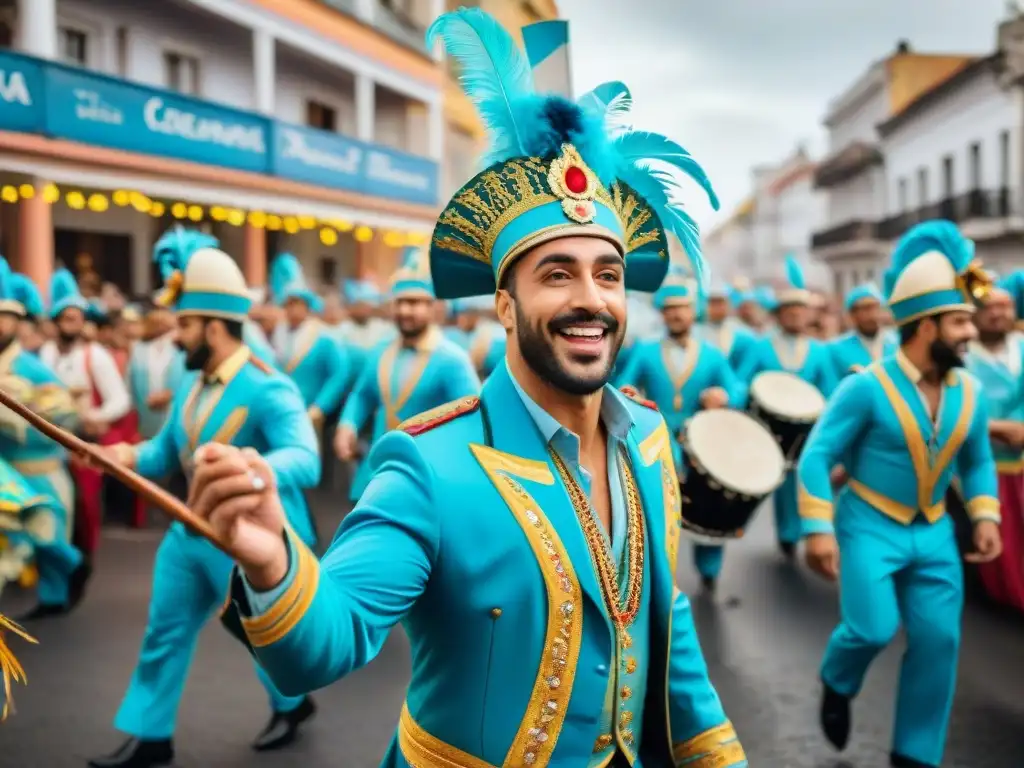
[{"x": 98, "y": 202}]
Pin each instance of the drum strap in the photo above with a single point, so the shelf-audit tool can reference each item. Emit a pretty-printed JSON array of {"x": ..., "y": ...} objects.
[{"x": 680, "y": 377}]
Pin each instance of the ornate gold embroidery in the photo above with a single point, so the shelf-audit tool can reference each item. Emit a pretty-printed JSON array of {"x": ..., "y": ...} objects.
[{"x": 603, "y": 742}]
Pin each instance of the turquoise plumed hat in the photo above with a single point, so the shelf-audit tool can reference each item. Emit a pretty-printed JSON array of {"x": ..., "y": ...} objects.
[
  {"x": 1013, "y": 284},
  {"x": 27, "y": 294},
  {"x": 96, "y": 311},
  {"x": 764, "y": 297},
  {"x": 64, "y": 294},
  {"x": 360, "y": 292},
  {"x": 555, "y": 168},
  {"x": 795, "y": 291},
  {"x": 867, "y": 292},
  {"x": 199, "y": 278},
  {"x": 677, "y": 289},
  {"x": 412, "y": 279},
  {"x": 9, "y": 302},
  {"x": 934, "y": 270},
  {"x": 471, "y": 304},
  {"x": 287, "y": 281}
]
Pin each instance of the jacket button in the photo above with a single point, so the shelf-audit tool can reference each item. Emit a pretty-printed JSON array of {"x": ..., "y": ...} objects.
[{"x": 495, "y": 613}]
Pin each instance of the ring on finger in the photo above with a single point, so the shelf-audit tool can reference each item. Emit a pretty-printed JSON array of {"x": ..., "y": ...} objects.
[{"x": 258, "y": 484}]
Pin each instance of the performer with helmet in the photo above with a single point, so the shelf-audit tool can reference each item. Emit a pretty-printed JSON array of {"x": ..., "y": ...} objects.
[
  {"x": 683, "y": 375},
  {"x": 62, "y": 571},
  {"x": 867, "y": 342},
  {"x": 903, "y": 428},
  {"x": 718, "y": 327},
  {"x": 228, "y": 396},
  {"x": 794, "y": 398},
  {"x": 537, "y": 524},
  {"x": 418, "y": 370}
]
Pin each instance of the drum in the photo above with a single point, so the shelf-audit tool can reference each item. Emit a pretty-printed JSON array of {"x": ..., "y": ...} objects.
[
  {"x": 788, "y": 406},
  {"x": 731, "y": 463}
]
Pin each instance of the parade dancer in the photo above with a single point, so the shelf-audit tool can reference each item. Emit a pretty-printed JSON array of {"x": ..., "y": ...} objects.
[
  {"x": 420, "y": 369},
  {"x": 682, "y": 375},
  {"x": 37, "y": 459},
  {"x": 228, "y": 397},
  {"x": 867, "y": 342},
  {"x": 788, "y": 347},
  {"x": 903, "y": 428},
  {"x": 526, "y": 538},
  {"x": 88, "y": 370},
  {"x": 995, "y": 359}
]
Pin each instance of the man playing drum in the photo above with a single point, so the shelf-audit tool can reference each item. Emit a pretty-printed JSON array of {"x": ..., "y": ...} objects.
[
  {"x": 903, "y": 428},
  {"x": 789, "y": 348},
  {"x": 682, "y": 375}
]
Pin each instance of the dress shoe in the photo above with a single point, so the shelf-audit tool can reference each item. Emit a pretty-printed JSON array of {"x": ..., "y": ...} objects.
[
  {"x": 899, "y": 761},
  {"x": 76, "y": 584},
  {"x": 283, "y": 727},
  {"x": 788, "y": 549},
  {"x": 835, "y": 718},
  {"x": 43, "y": 611},
  {"x": 138, "y": 753}
]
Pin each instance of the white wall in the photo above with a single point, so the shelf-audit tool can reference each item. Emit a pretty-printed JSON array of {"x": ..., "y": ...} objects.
[
  {"x": 301, "y": 79},
  {"x": 976, "y": 111},
  {"x": 862, "y": 197},
  {"x": 858, "y": 120}
]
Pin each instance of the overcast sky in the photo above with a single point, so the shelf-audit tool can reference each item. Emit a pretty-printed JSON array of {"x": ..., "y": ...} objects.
[{"x": 742, "y": 82}]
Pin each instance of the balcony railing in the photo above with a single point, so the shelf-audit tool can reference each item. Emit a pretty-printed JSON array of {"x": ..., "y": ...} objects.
[
  {"x": 976, "y": 204},
  {"x": 845, "y": 233}
]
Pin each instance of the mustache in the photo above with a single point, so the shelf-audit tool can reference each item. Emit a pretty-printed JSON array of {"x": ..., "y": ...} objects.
[{"x": 577, "y": 316}]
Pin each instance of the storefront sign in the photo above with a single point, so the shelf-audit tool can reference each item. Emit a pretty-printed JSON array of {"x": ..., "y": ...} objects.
[
  {"x": 331, "y": 160},
  {"x": 21, "y": 93}
]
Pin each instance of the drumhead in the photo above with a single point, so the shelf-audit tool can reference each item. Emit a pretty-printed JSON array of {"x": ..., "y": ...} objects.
[
  {"x": 737, "y": 451},
  {"x": 787, "y": 395}
]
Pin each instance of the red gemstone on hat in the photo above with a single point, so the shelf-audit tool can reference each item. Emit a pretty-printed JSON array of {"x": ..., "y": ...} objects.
[
  {"x": 582, "y": 210},
  {"x": 575, "y": 180}
]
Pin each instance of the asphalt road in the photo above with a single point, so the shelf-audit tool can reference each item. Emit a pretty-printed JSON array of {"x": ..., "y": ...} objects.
[{"x": 763, "y": 636}]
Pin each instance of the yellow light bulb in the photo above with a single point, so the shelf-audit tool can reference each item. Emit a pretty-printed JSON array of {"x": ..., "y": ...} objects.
[
  {"x": 27, "y": 191},
  {"x": 342, "y": 226},
  {"x": 393, "y": 239},
  {"x": 9, "y": 194},
  {"x": 51, "y": 194},
  {"x": 328, "y": 236},
  {"x": 236, "y": 218},
  {"x": 291, "y": 225},
  {"x": 76, "y": 200},
  {"x": 307, "y": 222},
  {"x": 98, "y": 203},
  {"x": 179, "y": 210},
  {"x": 217, "y": 213},
  {"x": 274, "y": 222},
  {"x": 158, "y": 209},
  {"x": 195, "y": 213},
  {"x": 121, "y": 197},
  {"x": 363, "y": 234},
  {"x": 257, "y": 219}
]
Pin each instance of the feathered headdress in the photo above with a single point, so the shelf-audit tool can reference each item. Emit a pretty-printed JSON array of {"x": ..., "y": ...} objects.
[
  {"x": 1013, "y": 284},
  {"x": 171, "y": 254},
  {"x": 933, "y": 270},
  {"x": 199, "y": 278},
  {"x": 8, "y": 301},
  {"x": 64, "y": 293},
  {"x": 287, "y": 281},
  {"x": 11, "y": 670},
  {"x": 360, "y": 292},
  {"x": 677, "y": 289},
  {"x": 765, "y": 297},
  {"x": 412, "y": 278},
  {"x": 796, "y": 286},
  {"x": 863, "y": 294},
  {"x": 555, "y": 168}
]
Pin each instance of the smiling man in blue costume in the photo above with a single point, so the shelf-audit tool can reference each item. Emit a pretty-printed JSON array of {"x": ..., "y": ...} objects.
[
  {"x": 683, "y": 374},
  {"x": 305, "y": 350},
  {"x": 788, "y": 347},
  {"x": 867, "y": 342},
  {"x": 903, "y": 428},
  {"x": 721, "y": 329},
  {"x": 41, "y": 462},
  {"x": 527, "y": 538},
  {"x": 228, "y": 396},
  {"x": 419, "y": 370}
]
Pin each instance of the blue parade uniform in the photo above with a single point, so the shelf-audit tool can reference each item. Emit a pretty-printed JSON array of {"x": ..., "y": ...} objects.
[
  {"x": 480, "y": 508},
  {"x": 853, "y": 352},
  {"x": 485, "y": 344},
  {"x": 899, "y": 557},
  {"x": 36, "y": 458},
  {"x": 1013, "y": 284},
  {"x": 730, "y": 336},
  {"x": 359, "y": 339},
  {"x": 309, "y": 355},
  {"x": 245, "y": 403},
  {"x": 674, "y": 376},
  {"x": 155, "y": 366},
  {"x": 801, "y": 355},
  {"x": 400, "y": 380}
]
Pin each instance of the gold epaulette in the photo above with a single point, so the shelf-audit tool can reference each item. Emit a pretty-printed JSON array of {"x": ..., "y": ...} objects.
[
  {"x": 634, "y": 394},
  {"x": 11, "y": 670},
  {"x": 435, "y": 417}
]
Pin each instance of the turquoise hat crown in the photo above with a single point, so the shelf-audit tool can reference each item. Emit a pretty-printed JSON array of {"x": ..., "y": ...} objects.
[
  {"x": 934, "y": 270},
  {"x": 355, "y": 291},
  {"x": 866, "y": 292},
  {"x": 64, "y": 293},
  {"x": 795, "y": 291},
  {"x": 287, "y": 281},
  {"x": 199, "y": 278},
  {"x": 555, "y": 168},
  {"x": 412, "y": 279},
  {"x": 677, "y": 289},
  {"x": 18, "y": 295}
]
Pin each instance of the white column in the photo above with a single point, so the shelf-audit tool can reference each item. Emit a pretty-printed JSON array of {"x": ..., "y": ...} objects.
[
  {"x": 264, "y": 69},
  {"x": 435, "y": 130},
  {"x": 434, "y": 9},
  {"x": 37, "y": 21},
  {"x": 366, "y": 107},
  {"x": 365, "y": 10}
]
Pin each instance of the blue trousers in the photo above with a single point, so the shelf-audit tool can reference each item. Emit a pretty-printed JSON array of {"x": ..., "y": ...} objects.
[
  {"x": 190, "y": 584},
  {"x": 893, "y": 574},
  {"x": 56, "y": 557},
  {"x": 787, "y": 517},
  {"x": 708, "y": 559}
]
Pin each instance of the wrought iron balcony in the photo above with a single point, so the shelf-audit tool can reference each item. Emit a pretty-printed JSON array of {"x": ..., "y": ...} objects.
[
  {"x": 976, "y": 204},
  {"x": 845, "y": 233}
]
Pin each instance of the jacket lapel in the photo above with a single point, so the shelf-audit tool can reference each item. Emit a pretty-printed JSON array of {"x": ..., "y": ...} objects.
[{"x": 520, "y": 452}]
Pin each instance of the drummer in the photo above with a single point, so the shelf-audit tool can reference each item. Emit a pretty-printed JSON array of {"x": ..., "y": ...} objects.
[
  {"x": 683, "y": 374},
  {"x": 867, "y": 342},
  {"x": 788, "y": 347}
]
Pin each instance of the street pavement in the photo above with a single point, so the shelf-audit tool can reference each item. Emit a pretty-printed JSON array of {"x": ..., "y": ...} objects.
[{"x": 762, "y": 634}]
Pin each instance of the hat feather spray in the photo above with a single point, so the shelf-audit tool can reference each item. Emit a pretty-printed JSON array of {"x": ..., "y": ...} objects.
[{"x": 11, "y": 670}]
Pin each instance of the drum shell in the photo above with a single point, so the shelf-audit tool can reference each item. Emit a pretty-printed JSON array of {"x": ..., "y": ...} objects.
[{"x": 791, "y": 435}]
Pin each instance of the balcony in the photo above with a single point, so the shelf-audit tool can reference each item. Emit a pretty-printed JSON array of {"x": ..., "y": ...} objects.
[
  {"x": 400, "y": 28},
  {"x": 843, "y": 165},
  {"x": 845, "y": 233},
  {"x": 974, "y": 206}
]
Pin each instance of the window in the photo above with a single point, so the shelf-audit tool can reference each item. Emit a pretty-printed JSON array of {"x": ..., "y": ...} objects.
[
  {"x": 1004, "y": 159},
  {"x": 974, "y": 159},
  {"x": 948, "y": 182},
  {"x": 72, "y": 46},
  {"x": 122, "y": 51},
  {"x": 181, "y": 73},
  {"x": 902, "y": 196},
  {"x": 328, "y": 270},
  {"x": 922, "y": 186},
  {"x": 321, "y": 116},
  {"x": 6, "y": 34}
]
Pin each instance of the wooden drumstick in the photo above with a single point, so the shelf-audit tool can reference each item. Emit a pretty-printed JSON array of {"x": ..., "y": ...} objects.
[{"x": 151, "y": 492}]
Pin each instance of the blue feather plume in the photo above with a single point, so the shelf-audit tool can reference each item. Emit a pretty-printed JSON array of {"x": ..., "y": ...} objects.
[
  {"x": 795, "y": 273},
  {"x": 285, "y": 273},
  {"x": 610, "y": 101},
  {"x": 176, "y": 246},
  {"x": 62, "y": 286},
  {"x": 27, "y": 294},
  {"x": 6, "y": 280},
  {"x": 494, "y": 73},
  {"x": 936, "y": 235}
]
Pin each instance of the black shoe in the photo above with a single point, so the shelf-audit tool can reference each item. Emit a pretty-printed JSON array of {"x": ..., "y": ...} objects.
[
  {"x": 43, "y": 611},
  {"x": 709, "y": 583},
  {"x": 138, "y": 753},
  {"x": 788, "y": 549},
  {"x": 76, "y": 584},
  {"x": 835, "y": 718},
  {"x": 283, "y": 727},
  {"x": 899, "y": 761}
]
